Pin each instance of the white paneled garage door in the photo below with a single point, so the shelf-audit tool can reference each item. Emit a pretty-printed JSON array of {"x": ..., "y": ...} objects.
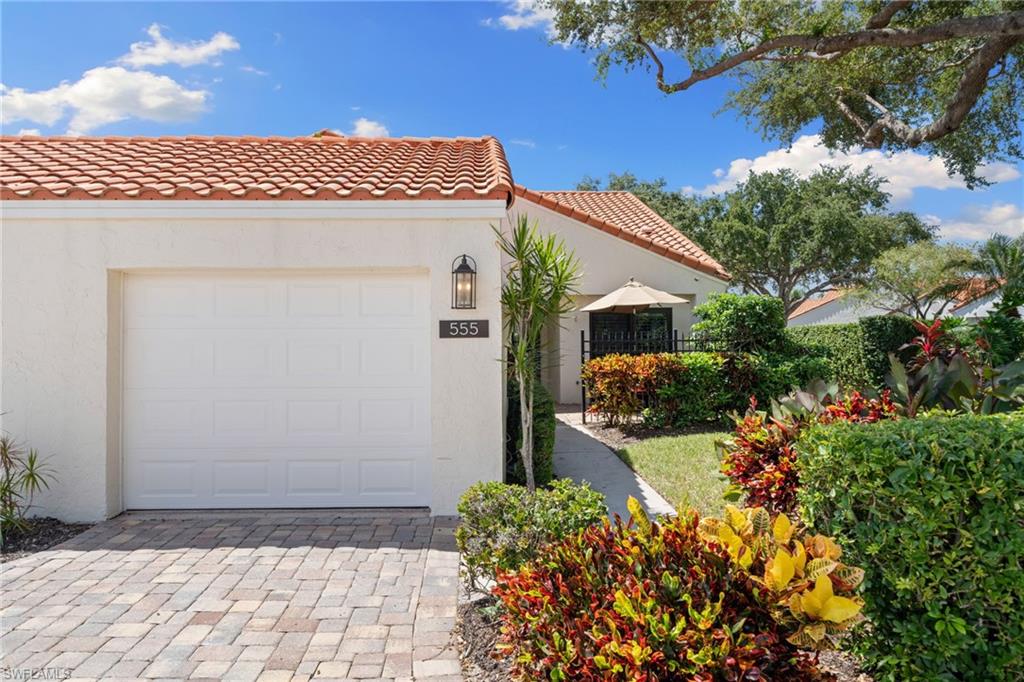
[{"x": 276, "y": 390}]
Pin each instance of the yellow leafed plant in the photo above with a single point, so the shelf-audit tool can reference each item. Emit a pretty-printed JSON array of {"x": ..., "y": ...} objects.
[{"x": 811, "y": 593}]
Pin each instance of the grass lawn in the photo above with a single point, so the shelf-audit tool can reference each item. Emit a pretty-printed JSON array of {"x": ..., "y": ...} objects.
[{"x": 681, "y": 468}]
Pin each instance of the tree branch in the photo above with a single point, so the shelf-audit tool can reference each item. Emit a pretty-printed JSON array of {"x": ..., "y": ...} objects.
[
  {"x": 972, "y": 85},
  {"x": 882, "y": 18},
  {"x": 808, "y": 47}
]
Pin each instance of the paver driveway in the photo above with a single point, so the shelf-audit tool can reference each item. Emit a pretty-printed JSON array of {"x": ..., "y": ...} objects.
[{"x": 238, "y": 596}]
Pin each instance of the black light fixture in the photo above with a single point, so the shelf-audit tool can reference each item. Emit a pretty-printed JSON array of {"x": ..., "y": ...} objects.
[{"x": 463, "y": 283}]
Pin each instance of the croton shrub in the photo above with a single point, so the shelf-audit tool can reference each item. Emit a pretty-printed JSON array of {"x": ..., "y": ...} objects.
[
  {"x": 740, "y": 598},
  {"x": 760, "y": 458},
  {"x": 681, "y": 389},
  {"x": 933, "y": 508}
]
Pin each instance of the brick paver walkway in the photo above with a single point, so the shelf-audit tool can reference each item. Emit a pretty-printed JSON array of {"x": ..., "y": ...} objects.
[{"x": 238, "y": 596}]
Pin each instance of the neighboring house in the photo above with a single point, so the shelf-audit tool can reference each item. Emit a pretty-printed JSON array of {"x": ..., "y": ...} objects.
[
  {"x": 832, "y": 307},
  {"x": 975, "y": 301},
  {"x": 218, "y": 322}
]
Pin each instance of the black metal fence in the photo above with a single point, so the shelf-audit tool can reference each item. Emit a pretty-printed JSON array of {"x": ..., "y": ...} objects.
[{"x": 639, "y": 343}]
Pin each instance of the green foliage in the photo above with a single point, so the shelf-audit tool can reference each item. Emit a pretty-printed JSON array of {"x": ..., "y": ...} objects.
[
  {"x": 932, "y": 509},
  {"x": 504, "y": 526},
  {"x": 759, "y": 458},
  {"x": 780, "y": 233},
  {"x": 920, "y": 278},
  {"x": 927, "y": 76},
  {"x": 543, "y": 436},
  {"x": 1000, "y": 261},
  {"x": 843, "y": 347},
  {"x": 1002, "y": 335},
  {"x": 540, "y": 277},
  {"x": 22, "y": 475},
  {"x": 681, "y": 389},
  {"x": 744, "y": 323},
  {"x": 885, "y": 334}
]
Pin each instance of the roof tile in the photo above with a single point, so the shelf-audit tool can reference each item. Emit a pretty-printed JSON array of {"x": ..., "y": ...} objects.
[
  {"x": 627, "y": 217},
  {"x": 220, "y": 167}
]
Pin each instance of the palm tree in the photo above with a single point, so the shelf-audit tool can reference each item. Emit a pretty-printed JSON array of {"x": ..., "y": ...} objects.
[{"x": 1000, "y": 261}]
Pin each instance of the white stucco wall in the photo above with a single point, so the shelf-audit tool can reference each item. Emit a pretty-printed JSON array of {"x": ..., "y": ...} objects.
[
  {"x": 608, "y": 262},
  {"x": 60, "y": 349},
  {"x": 839, "y": 311}
]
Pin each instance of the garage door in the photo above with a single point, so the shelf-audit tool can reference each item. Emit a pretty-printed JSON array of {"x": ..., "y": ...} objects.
[{"x": 276, "y": 390}]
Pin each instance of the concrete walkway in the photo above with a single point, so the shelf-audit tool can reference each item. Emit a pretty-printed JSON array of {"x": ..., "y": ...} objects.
[
  {"x": 269, "y": 595},
  {"x": 581, "y": 457}
]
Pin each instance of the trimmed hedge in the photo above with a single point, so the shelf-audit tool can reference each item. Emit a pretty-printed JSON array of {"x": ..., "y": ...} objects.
[
  {"x": 680, "y": 389},
  {"x": 932, "y": 508},
  {"x": 842, "y": 346},
  {"x": 857, "y": 352},
  {"x": 884, "y": 334},
  {"x": 543, "y": 436}
]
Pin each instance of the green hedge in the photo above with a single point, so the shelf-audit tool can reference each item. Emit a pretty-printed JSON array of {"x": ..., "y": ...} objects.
[
  {"x": 884, "y": 334},
  {"x": 932, "y": 508},
  {"x": 842, "y": 346},
  {"x": 543, "y": 436},
  {"x": 857, "y": 353}
]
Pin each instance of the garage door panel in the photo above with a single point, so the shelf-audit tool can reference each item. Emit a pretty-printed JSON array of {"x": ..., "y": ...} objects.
[
  {"x": 289, "y": 477},
  {"x": 276, "y": 390}
]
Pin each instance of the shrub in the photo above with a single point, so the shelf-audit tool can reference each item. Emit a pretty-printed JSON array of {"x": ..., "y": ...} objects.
[
  {"x": 503, "y": 526},
  {"x": 760, "y": 459},
  {"x": 884, "y": 334},
  {"x": 22, "y": 475},
  {"x": 743, "y": 322},
  {"x": 932, "y": 509},
  {"x": 680, "y": 389},
  {"x": 842, "y": 348},
  {"x": 543, "y": 436},
  {"x": 680, "y": 600}
]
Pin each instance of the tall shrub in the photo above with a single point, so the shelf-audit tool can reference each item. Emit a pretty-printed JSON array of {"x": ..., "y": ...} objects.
[
  {"x": 932, "y": 509},
  {"x": 742, "y": 322},
  {"x": 538, "y": 283}
]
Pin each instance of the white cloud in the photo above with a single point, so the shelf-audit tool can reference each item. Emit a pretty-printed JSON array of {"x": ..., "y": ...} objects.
[
  {"x": 524, "y": 14},
  {"x": 162, "y": 51},
  {"x": 976, "y": 223},
  {"x": 364, "y": 127},
  {"x": 29, "y": 131},
  {"x": 904, "y": 170},
  {"x": 248, "y": 68},
  {"x": 524, "y": 143},
  {"x": 105, "y": 95}
]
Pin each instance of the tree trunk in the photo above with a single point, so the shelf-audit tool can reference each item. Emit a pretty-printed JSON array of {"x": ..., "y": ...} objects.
[{"x": 526, "y": 422}]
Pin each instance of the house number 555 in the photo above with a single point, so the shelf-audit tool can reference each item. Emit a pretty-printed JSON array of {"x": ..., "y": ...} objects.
[{"x": 464, "y": 329}]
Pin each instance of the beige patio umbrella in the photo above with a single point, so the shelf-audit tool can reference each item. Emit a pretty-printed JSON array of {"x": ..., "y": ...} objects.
[{"x": 631, "y": 297}]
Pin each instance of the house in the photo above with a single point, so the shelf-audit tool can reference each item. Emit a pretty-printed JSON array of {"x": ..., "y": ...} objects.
[
  {"x": 241, "y": 322},
  {"x": 832, "y": 307}
]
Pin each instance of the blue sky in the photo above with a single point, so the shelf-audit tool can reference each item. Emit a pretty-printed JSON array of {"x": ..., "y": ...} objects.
[{"x": 415, "y": 69}]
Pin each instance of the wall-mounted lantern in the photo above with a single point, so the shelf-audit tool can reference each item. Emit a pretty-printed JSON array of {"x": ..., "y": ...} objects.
[{"x": 463, "y": 283}]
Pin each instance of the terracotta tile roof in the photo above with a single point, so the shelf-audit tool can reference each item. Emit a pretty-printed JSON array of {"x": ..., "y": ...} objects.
[
  {"x": 814, "y": 303},
  {"x": 317, "y": 167},
  {"x": 625, "y": 216},
  {"x": 974, "y": 289}
]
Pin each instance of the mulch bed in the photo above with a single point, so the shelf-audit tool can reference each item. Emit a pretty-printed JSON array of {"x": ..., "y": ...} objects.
[
  {"x": 618, "y": 437},
  {"x": 476, "y": 633},
  {"x": 41, "y": 534}
]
